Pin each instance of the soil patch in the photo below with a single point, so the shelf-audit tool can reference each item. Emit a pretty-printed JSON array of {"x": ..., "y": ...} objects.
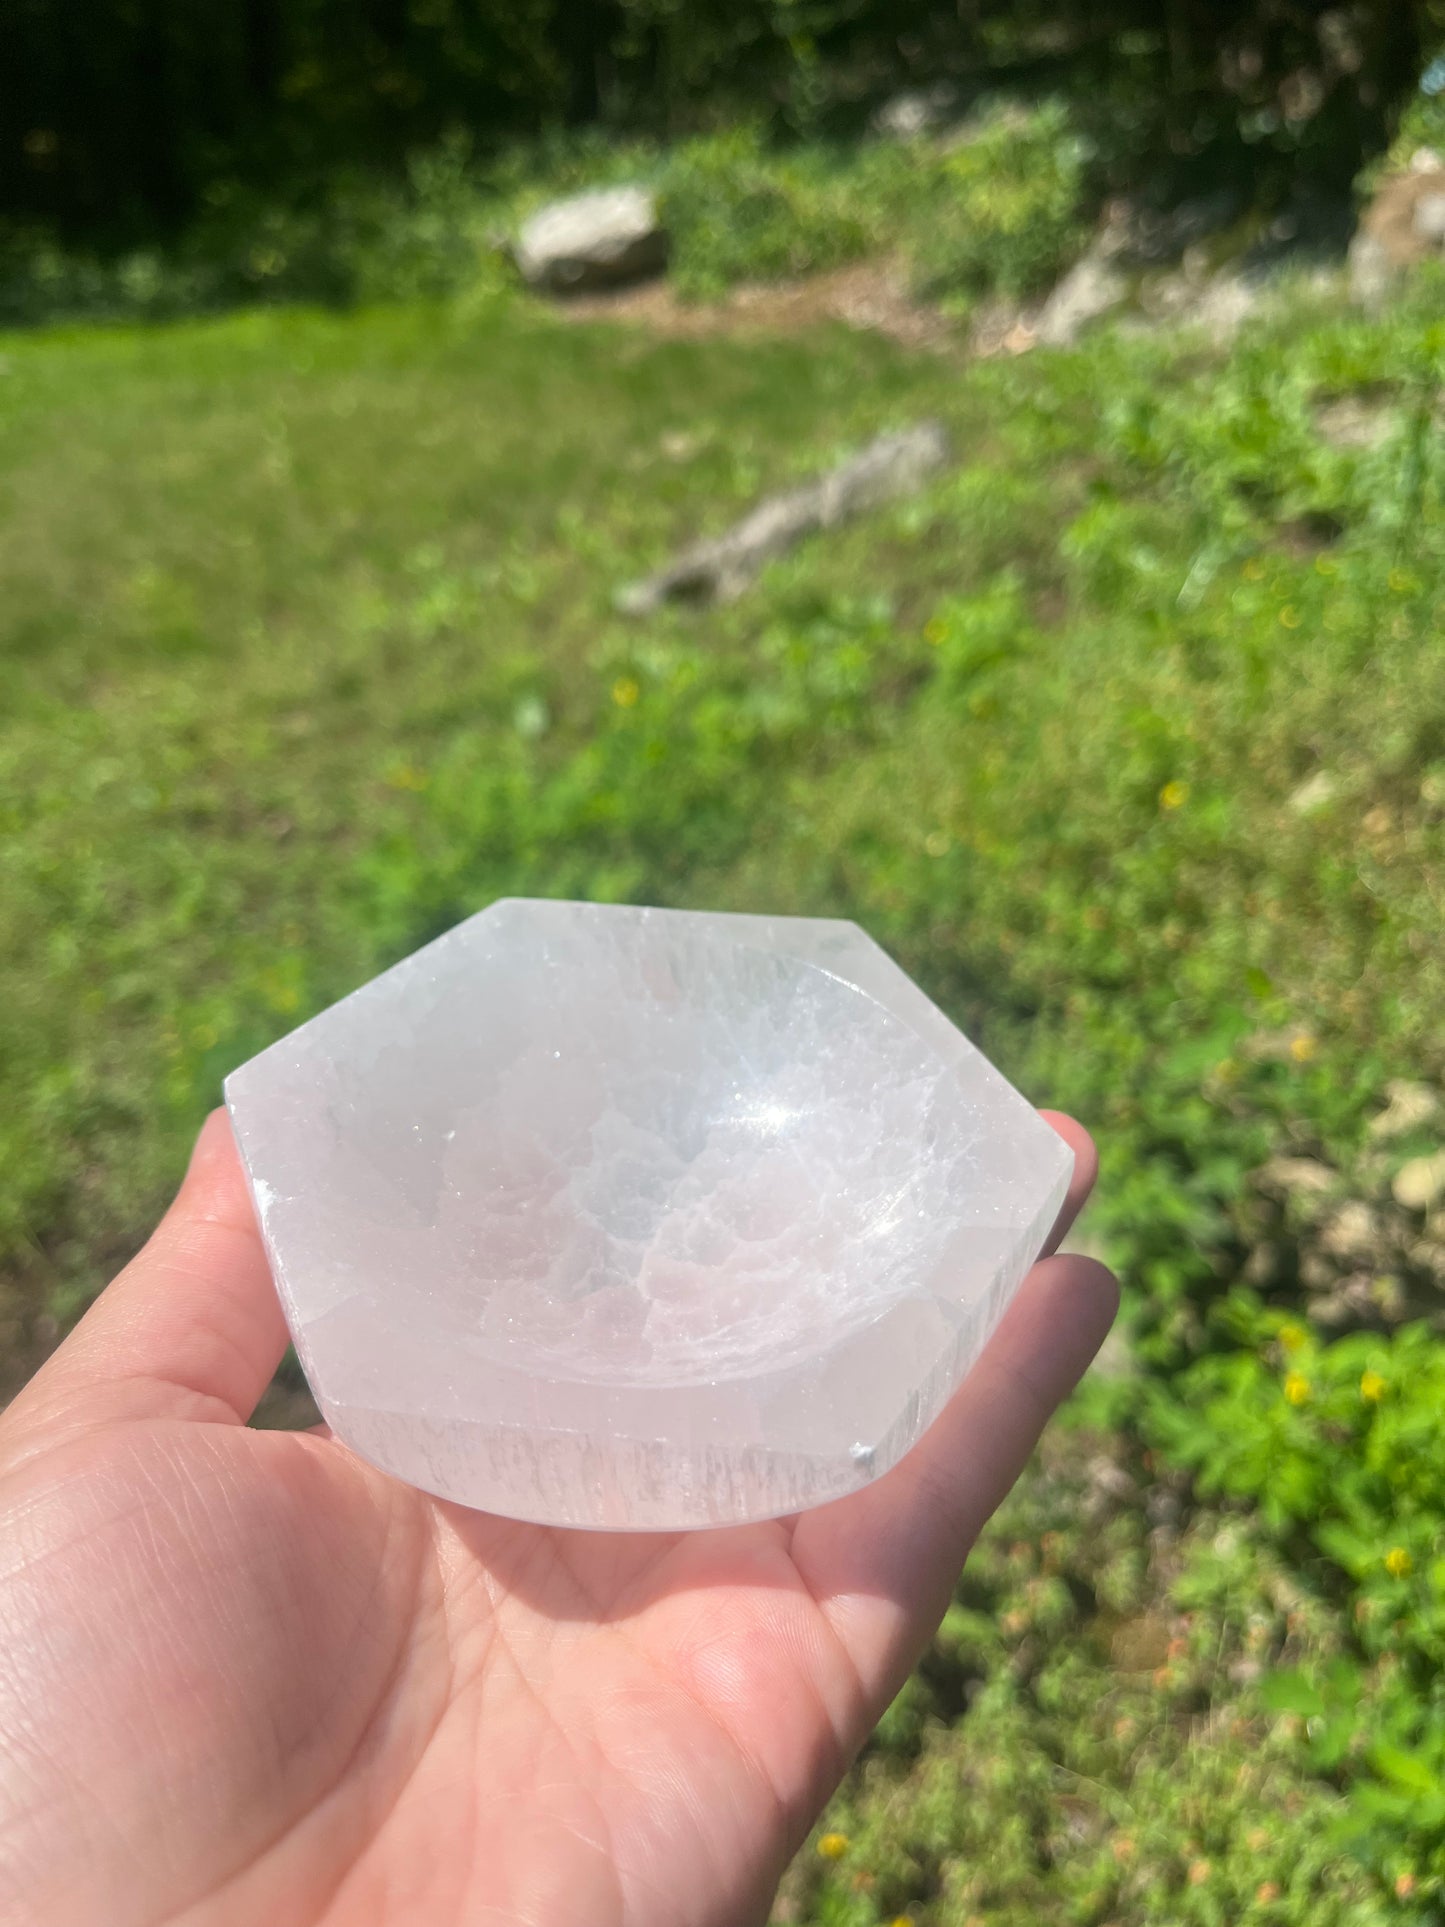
[{"x": 872, "y": 296}]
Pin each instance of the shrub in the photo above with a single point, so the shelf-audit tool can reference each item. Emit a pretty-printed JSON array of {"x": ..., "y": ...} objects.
[
  {"x": 366, "y": 237},
  {"x": 1002, "y": 211},
  {"x": 998, "y": 211},
  {"x": 739, "y": 211}
]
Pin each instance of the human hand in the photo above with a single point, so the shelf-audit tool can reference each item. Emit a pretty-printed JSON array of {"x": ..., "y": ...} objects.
[{"x": 245, "y": 1678}]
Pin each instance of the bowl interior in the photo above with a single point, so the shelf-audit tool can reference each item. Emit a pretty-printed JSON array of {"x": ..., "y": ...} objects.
[{"x": 635, "y": 1155}]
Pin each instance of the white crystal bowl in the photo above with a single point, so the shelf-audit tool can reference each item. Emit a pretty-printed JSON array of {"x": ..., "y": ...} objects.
[{"x": 623, "y": 1218}]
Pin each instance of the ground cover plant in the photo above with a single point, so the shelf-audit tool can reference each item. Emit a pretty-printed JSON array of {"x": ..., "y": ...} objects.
[{"x": 1128, "y": 737}]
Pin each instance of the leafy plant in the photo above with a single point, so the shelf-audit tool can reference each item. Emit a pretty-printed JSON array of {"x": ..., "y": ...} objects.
[
  {"x": 742, "y": 212},
  {"x": 1002, "y": 211}
]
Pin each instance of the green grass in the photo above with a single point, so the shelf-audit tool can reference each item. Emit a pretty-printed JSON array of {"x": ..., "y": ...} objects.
[
  {"x": 259, "y": 573},
  {"x": 1128, "y": 737}
]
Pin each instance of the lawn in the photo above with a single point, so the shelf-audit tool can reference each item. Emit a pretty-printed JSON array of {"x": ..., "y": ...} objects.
[
  {"x": 1128, "y": 737},
  {"x": 262, "y": 575}
]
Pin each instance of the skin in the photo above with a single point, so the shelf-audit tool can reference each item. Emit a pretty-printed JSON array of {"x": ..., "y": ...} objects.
[{"x": 246, "y": 1678}]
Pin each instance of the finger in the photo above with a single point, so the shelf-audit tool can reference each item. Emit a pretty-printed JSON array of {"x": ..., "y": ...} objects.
[
  {"x": 191, "y": 1328},
  {"x": 1086, "y": 1169},
  {"x": 884, "y": 1561}
]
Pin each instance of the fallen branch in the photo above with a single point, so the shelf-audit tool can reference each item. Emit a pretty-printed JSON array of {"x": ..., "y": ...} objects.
[{"x": 719, "y": 569}]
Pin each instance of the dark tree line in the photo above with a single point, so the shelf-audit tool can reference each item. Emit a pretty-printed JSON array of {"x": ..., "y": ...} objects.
[{"x": 123, "y": 112}]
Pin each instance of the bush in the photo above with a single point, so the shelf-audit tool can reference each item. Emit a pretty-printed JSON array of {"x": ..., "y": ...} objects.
[
  {"x": 1002, "y": 212},
  {"x": 999, "y": 211},
  {"x": 738, "y": 211},
  {"x": 367, "y": 237}
]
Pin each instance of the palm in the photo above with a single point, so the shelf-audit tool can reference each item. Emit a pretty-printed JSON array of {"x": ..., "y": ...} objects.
[{"x": 250, "y": 1678}]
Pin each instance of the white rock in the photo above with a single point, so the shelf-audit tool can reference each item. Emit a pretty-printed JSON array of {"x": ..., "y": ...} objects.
[
  {"x": 640, "y": 1218},
  {"x": 1090, "y": 289},
  {"x": 1421, "y": 1183},
  {"x": 1372, "y": 272},
  {"x": 918, "y": 111},
  {"x": 1409, "y": 1106},
  {"x": 1353, "y": 1232},
  {"x": 593, "y": 240},
  {"x": 1349, "y": 421},
  {"x": 1313, "y": 794}
]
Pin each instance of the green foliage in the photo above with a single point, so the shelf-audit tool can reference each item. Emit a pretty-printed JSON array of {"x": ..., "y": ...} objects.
[
  {"x": 1128, "y": 737},
  {"x": 125, "y": 118},
  {"x": 998, "y": 212},
  {"x": 368, "y": 238},
  {"x": 1001, "y": 212},
  {"x": 1336, "y": 1447},
  {"x": 1117, "y": 1760},
  {"x": 122, "y": 117},
  {"x": 740, "y": 212}
]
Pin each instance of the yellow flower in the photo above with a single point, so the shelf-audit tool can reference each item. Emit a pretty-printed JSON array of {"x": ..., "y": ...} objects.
[
  {"x": 1253, "y": 570},
  {"x": 1174, "y": 795},
  {"x": 1296, "y": 1388},
  {"x": 901, "y": 1920},
  {"x": 936, "y": 631},
  {"x": 1303, "y": 1047},
  {"x": 1398, "y": 1562},
  {"x": 1401, "y": 582},
  {"x": 625, "y": 691},
  {"x": 833, "y": 1846},
  {"x": 1289, "y": 616},
  {"x": 1372, "y": 1387},
  {"x": 1292, "y": 1336}
]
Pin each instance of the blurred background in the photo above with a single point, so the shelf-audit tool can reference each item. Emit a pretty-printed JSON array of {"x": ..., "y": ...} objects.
[{"x": 324, "y": 469}]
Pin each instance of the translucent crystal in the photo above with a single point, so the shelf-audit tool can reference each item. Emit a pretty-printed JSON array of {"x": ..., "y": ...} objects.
[{"x": 628, "y": 1218}]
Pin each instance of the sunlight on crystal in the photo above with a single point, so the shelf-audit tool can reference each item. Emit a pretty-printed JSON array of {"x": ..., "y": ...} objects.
[{"x": 768, "y": 1118}]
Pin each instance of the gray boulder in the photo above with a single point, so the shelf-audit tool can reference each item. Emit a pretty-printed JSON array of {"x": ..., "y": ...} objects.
[{"x": 594, "y": 240}]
